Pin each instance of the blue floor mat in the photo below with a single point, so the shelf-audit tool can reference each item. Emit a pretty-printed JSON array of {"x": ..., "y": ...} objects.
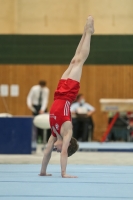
[{"x": 18, "y": 182}]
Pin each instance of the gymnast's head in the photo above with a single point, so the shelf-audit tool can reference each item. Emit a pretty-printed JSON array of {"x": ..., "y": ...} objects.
[{"x": 73, "y": 146}]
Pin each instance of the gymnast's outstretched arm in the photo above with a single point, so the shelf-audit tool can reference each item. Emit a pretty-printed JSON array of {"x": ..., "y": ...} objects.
[{"x": 47, "y": 156}]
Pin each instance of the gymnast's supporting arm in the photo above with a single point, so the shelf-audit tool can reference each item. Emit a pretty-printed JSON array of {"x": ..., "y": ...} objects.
[
  {"x": 66, "y": 130},
  {"x": 47, "y": 156}
]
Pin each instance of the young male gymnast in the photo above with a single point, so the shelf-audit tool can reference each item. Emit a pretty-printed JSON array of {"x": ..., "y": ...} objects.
[{"x": 65, "y": 94}]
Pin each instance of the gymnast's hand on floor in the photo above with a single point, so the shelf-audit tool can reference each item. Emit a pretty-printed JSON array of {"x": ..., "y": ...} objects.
[
  {"x": 44, "y": 174},
  {"x": 68, "y": 176}
]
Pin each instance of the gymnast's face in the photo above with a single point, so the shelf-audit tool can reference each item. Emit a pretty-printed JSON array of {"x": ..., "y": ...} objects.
[{"x": 58, "y": 145}]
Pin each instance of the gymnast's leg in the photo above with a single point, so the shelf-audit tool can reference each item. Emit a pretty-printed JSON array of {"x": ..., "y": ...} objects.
[
  {"x": 82, "y": 53},
  {"x": 67, "y": 72},
  {"x": 74, "y": 70}
]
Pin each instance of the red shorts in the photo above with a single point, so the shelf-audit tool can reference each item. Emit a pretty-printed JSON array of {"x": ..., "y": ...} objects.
[
  {"x": 65, "y": 94},
  {"x": 67, "y": 90}
]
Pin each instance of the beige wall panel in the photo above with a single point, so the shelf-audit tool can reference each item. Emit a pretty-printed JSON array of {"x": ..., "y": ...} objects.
[
  {"x": 65, "y": 17},
  {"x": 48, "y": 16},
  {"x": 97, "y": 82},
  {"x": 111, "y": 16},
  {"x": 7, "y": 16}
]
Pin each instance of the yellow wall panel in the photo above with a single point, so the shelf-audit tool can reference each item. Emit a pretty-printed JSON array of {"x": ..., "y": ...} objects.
[{"x": 65, "y": 17}]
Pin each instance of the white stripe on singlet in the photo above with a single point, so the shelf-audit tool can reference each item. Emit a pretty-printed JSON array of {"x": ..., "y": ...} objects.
[{"x": 66, "y": 108}]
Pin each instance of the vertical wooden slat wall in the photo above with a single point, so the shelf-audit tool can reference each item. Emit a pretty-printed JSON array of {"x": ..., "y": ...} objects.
[{"x": 97, "y": 82}]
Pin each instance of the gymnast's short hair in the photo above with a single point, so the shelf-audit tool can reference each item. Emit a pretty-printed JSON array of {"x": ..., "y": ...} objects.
[{"x": 73, "y": 147}]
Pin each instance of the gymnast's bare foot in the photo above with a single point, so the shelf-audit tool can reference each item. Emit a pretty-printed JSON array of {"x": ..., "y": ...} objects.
[
  {"x": 90, "y": 25},
  {"x": 44, "y": 174},
  {"x": 68, "y": 176}
]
